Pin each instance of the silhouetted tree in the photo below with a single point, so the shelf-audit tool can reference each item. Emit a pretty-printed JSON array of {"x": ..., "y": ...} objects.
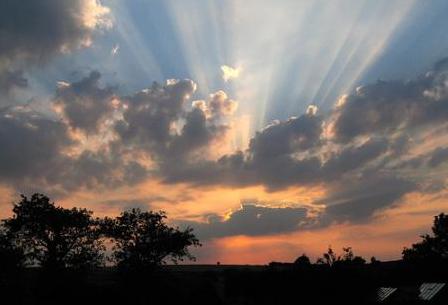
[
  {"x": 374, "y": 260},
  {"x": 144, "y": 240},
  {"x": 328, "y": 258},
  {"x": 11, "y": 256},
  {"x": 302, "y": 261},
  {"x": 55, "y": 237},
  {"x": 432, "y": 247},
  {"x": 348, "y": 258}
]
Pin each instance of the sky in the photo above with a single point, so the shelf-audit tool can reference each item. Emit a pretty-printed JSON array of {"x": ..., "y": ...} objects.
[{"x": 272, "y": 128}]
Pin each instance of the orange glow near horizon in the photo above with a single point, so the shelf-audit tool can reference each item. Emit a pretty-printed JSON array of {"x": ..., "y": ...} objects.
[{"x": 383, "y": 237}]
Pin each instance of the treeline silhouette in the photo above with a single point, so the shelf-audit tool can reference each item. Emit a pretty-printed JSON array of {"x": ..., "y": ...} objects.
[
  {"x": 42, "y": 234},
  {"x": 53, "y": 255}
]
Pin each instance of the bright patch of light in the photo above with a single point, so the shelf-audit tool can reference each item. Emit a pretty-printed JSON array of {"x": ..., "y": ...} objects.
[
  {"x": 229, "y": 73},
  {"x": 115, "y": 50}
]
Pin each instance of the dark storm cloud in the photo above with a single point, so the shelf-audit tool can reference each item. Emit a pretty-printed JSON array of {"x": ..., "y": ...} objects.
[
  {"x": 35, "y": 30},
  {"x": 251, "y": 220},
  {"x": 84, "y": 104}
]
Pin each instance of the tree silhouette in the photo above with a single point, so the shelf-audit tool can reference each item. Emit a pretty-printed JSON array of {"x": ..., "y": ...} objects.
[
  {"x": 432, "y": 247},
  {"x": 55, "y": 237},
  {"x": 349, "y": 258},
  {"x": 143, "y": 240},
  {"x": 302, "y": 261},
  {"x": 11, "y": 256},
  {"x": 330, "y": 258}
]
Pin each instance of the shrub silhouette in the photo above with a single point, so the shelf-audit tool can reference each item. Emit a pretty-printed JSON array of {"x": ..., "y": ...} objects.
[
  {"x": 302, "y": 261},
  {"x": 432, "y": 247},
  {"x": 54, "y": 237},
  {"x": 143, "y": 240},
  {"x": 328, "y": 258},
  {"x": 348, "y": 258}
]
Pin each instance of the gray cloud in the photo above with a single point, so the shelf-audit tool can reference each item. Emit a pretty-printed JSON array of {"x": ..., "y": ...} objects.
[
  {"x": 251, "y": 220},
  {"x": 357, "y": 199},
  {"x": 385, "y": 107},
  {"x": 84, "y": 104},
  {"x": 31, "y": 145},
  {"x": 438, "y": 156},
  {"x": 147, "y": 123},
  {"x": 354, "y": 157},
  {"x": 35, "y": 30},
  {"x": 153, "y": 119},
  {"x": 294, "y": 135},
  {"x": 268, "y": 161},
  {"x": 275, "y": 168},
  {"x": 10, "y": 80},
  {"x": 34, "y": 154},
  {"x": 143, "y": 203}
]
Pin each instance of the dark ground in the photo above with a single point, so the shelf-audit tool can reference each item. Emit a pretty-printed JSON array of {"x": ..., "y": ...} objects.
[{"x": 211, "y": 284}]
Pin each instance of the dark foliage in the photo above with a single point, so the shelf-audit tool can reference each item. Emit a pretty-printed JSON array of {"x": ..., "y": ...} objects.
[
  {"x": 11, "y": 256},
  {"x": 433, "y": 247},
  {"x": 144, "y": 240},
  {"x": 303, "y": 261},
  {"x": 54, "y": 237},
  {"x": 330, "y": 258}
]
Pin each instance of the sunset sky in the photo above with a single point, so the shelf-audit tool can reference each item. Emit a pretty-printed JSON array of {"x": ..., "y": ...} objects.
[{"x": 271, "y": 127}]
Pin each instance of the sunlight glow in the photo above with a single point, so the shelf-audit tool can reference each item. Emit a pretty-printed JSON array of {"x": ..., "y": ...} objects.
[{"x": 294, "y": 54}]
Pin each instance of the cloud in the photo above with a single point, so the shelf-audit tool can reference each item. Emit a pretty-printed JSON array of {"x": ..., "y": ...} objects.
[
  {"x": 156, "y": 120},
  {"x": 357, "y": 199},
  {"x": 31, "y": 146},
  {"x": 39, "y": 151},
  {"x": 438, "y": 156},
  {"x": 10, "y": 80},
  {"x": 388, "y": 106},
  {"x": 230, "y": 73},
  {"x": 150, "y": 115},
  {"x": 84, "y": 104},
  {"x": 252, "y": 220},
  {"x": 358, "y": 153},
  {"x": 126, "y": 204},
  {"x": 354, "y": 157},
  {"x": 35, "y": 30},
  {"x": 290, "y": 136}
]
